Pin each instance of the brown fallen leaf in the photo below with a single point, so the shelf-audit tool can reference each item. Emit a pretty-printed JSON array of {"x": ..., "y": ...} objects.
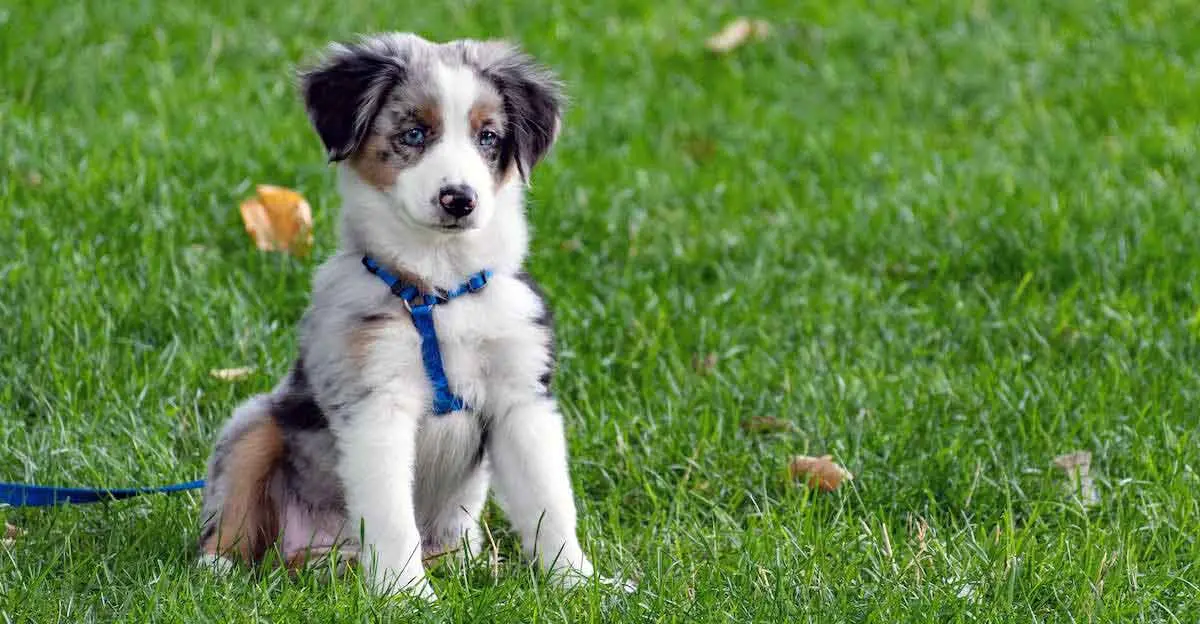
[
  {"x": 701, "y": 149},
  {"x": 819, "y": 472},
  {"x": 704, "y": 364},
  {"x": 232, "y": 374},
  {"x": 1078, "y": 459},
  {"x": 766, "y": 424},
  {"x": 1077, "y": 467},
  {"x": 278, "y": 219},
  {"x": 736, "y": 33},
  {"x": 11, "y": 533}
]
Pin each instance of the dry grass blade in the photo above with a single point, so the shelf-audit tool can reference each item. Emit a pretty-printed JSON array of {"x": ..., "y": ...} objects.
[
  {"x": 232, "y": 374},
  {"x": 737, "y": 33}
]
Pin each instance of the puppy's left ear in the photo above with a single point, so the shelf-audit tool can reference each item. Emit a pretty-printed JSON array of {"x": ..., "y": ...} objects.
[
  {"x": 344, "y": 92},
  {"x": 533, "y": 102}
]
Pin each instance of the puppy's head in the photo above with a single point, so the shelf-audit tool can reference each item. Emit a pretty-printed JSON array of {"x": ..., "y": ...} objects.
[{"x": 440, "y": 130}]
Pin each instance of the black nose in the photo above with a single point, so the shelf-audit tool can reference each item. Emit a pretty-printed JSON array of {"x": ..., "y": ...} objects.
[{"x": 457, "y": 199}]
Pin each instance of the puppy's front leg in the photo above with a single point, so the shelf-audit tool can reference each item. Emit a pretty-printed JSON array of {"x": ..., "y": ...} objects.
[
  {"x": 376, "y": 442},
  {"x": 528, "y": 452}
]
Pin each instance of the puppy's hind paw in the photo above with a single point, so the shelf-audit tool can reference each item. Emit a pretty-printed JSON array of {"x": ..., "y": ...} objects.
[{"x": 216, "y": 564}]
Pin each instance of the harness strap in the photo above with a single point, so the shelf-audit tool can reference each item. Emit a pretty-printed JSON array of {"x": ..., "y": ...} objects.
[
  {"x": 444, "y": 401},
  {"x": 420, "y": 307}
]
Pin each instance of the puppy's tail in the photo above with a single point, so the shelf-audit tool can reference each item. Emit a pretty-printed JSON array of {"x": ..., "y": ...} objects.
[{"x": 241, "y": 516}]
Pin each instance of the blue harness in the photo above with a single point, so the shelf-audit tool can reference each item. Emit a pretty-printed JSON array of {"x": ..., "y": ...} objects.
[{"x": 420, "y": 307}]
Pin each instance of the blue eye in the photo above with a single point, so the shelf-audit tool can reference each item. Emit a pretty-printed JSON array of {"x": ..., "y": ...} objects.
[
  {"x": 413, "y": 137},
  {"x": 487, "y": 138}
]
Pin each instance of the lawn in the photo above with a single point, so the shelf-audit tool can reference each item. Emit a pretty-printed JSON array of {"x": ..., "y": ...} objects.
[{"x": 946, "y": 241}]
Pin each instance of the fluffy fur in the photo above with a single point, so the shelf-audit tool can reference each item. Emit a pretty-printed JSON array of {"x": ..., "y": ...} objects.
[{"x": 346, "y": 451}]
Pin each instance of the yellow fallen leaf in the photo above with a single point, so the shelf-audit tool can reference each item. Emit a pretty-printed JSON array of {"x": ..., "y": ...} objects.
[
  {"x": 232, "y": 374},
  {"x": 278, "y": 219},
  {"x": 819, "y": 472},
  {"x": 736, "y": 33}
]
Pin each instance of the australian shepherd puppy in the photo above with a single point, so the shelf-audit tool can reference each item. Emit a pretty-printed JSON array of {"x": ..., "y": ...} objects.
[{"x": 434, "y": 144}]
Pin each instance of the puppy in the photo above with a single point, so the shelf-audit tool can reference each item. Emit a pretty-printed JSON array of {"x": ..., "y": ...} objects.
[{"x": 368, "y": 444}]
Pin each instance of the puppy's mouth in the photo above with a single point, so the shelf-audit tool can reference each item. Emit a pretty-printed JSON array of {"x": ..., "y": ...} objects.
[
  {"x": 443, "y": 225},
  {"x": 458, "y": 225}
]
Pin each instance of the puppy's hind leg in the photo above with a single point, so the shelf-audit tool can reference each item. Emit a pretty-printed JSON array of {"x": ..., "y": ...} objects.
[{"x": 240, "y": 519}]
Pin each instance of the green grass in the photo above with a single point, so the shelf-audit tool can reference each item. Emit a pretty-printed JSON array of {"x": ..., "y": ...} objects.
[{"x": 948, "y": 241}]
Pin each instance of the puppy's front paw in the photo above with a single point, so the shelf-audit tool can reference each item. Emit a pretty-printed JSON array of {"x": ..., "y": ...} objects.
[
  {"x": 577, "y": 580},
  {"x": 391, "y": 583},
  {"x": 624, "y": 585},
  {"x": 575, "y": 576}
]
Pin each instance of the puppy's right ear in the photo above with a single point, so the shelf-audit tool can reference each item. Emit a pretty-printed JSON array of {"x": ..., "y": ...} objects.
[{"x": 343, "y": 94}]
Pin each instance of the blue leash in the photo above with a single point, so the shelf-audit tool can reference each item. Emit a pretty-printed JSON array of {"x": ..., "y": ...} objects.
[
  {"x": 444, "y": 401},
  {"x": 25, "y": 495},
  {"x": 421, "y": 308}
]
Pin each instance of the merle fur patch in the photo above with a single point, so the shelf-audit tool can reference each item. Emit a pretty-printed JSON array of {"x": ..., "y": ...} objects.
[{"x": 295, "y": 407}]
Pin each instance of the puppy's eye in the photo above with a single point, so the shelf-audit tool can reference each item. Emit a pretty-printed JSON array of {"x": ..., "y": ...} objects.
[
  {"x": 487, "y": 138},
  {"x": 413, "y": 137}
]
